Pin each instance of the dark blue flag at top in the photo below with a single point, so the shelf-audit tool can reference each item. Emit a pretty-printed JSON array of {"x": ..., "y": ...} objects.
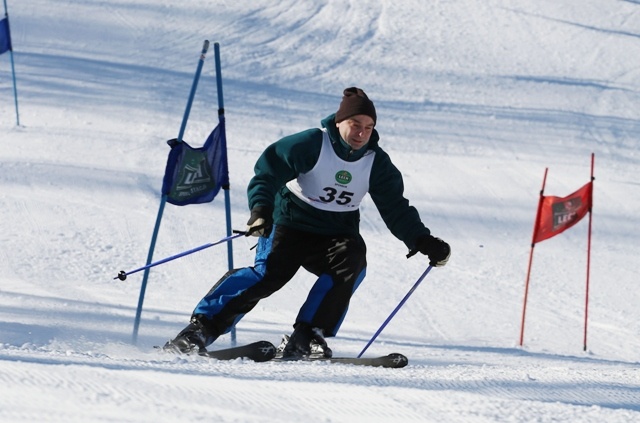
[
  {"x": 5, "y": 36},
  {"x": 195, "y": 175}
]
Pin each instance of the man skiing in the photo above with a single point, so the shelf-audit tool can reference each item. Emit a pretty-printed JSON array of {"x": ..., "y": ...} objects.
[{"x": 304, "y": 200}]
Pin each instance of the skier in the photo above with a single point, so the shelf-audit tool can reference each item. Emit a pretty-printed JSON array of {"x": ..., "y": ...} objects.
[{"x": 304, "y": 200}]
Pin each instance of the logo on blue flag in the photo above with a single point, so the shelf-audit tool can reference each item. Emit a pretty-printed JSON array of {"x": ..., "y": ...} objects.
[{"x": 195, "y": 175}]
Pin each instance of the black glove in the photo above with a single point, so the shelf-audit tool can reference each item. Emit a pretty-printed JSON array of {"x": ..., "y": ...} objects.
[
  {"x": 260, "y": 222},
  {"x": 436, "y": 249}
]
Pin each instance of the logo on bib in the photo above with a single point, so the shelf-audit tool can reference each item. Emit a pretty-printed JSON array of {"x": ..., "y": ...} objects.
[{"x": 343, "y": 177}]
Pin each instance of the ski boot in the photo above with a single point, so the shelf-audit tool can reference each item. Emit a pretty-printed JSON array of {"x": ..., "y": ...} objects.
[
  {"x": 193, "y": 338},
  {"x": 304, "y": 342}
]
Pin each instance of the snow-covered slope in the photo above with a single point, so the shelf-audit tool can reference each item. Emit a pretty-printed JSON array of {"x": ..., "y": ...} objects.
[{"x": 475, "y": 100}]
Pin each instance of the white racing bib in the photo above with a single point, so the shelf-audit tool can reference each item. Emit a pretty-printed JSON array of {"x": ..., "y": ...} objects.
[{"x": 334, "y": 184}]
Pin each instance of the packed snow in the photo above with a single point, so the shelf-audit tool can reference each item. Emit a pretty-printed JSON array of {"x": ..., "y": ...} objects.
[{"x": 475, "y": 100}]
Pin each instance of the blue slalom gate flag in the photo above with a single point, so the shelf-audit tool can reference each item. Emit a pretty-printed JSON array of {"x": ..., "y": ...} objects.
[
  {"x": 5, "y": 36},
  {"x": 195, "y": 175}
]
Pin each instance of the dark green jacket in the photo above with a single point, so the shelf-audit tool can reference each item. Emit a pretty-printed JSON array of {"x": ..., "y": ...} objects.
[{"x": 285, "y": 159}]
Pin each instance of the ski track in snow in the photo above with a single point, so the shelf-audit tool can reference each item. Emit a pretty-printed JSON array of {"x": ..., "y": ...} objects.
[{"x": 431, "y": 386}]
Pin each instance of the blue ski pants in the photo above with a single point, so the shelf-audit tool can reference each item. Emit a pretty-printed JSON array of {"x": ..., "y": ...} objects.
[{"x": 338, "y": 261}]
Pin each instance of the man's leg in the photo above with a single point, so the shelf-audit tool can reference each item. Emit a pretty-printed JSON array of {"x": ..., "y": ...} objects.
[
  {"x": 341, "y": 265},
  {"x": 278, "y": 258}
]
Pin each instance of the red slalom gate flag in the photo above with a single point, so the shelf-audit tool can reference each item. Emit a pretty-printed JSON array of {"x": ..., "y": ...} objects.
[{"x": 558, "y": 214}]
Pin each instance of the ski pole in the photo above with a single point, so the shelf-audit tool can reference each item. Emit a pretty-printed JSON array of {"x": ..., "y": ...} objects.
[
  {"x": 393, "y": 313},
  {"x": 123, "y": 275}
]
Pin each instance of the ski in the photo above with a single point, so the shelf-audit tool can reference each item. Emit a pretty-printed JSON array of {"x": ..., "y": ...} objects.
[
  {"x": 391, "y": 361},
  {"x": 263, "y": 351},
  {"x": 258, "y": 351}
]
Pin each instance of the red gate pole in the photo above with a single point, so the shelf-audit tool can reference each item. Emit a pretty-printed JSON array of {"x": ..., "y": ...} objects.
[
  {"x": 586, "y": 304},
  {"x": 533, "y": 244}
]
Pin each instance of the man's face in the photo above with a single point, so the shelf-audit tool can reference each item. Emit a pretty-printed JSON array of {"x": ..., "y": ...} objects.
[{"x": 356, "y": 130}]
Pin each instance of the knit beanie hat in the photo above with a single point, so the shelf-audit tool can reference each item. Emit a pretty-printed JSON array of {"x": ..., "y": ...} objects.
[{"x": 355, "y": 102}]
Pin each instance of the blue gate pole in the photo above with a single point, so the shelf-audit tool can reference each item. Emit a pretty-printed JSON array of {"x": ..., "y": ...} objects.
[
  {"x": 227, "y": 196},
  {"x": 163, "y": 200},
  {"x": 13, "y": 69}
]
